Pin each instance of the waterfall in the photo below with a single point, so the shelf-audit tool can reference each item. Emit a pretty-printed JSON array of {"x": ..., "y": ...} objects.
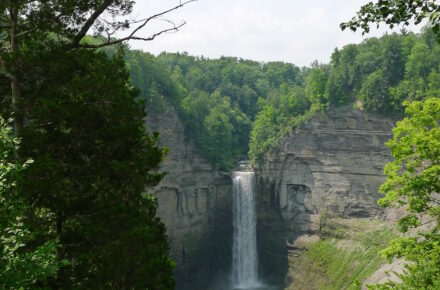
[{"x": 244, "y": 252}]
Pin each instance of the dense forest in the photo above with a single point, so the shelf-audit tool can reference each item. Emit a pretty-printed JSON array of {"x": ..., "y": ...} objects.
[
  {"x": 77, "y": 165},
  {"x": 232, "y": 107},
  {"x": 75, "y": 160},
  {"x": 86, "y": 161}
]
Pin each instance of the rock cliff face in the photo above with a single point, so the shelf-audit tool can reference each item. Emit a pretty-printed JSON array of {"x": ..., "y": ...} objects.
[
  {"x": 332, "y": 165},
  {"x": 195, "y": 203}
]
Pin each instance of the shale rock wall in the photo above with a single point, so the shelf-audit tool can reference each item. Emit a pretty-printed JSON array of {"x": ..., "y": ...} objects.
[
  {"x": 195, "y": 203},
  {"x": 332, "y": 165}
]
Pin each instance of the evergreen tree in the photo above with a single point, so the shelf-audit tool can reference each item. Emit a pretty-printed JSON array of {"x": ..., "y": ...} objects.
[
  {"x": 76, "y": 115},
  {"x": 92, "y": 163}
]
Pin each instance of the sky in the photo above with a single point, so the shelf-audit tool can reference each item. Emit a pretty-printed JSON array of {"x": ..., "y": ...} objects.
[{"x": 295, "y": 31}]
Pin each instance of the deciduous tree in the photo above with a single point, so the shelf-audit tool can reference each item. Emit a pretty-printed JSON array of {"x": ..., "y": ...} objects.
[
  {"x": 395, "y": 12},
  {"x": 413, "y": 181}
]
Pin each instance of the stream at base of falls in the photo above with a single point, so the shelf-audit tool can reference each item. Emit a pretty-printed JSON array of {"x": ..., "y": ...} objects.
[{"x": 262, "y": 287}]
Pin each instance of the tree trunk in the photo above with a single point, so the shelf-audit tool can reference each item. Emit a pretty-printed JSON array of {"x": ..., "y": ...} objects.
[{"x": 15, "y": 82}]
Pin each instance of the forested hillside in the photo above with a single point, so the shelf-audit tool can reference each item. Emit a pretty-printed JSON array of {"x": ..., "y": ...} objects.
[
  {"x": 217, "y": 100},
  {"x": 233, "y": 107}
]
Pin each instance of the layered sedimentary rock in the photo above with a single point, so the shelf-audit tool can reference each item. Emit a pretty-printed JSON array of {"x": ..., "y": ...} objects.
[
  {"x": 195, "y": 203},
  {"x": 332, "y": 165}
]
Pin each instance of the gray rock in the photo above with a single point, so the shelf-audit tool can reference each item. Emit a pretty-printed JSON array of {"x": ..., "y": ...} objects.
[
  {"x": 334, "y": 163},
  {"x": 195, "y": 203}
]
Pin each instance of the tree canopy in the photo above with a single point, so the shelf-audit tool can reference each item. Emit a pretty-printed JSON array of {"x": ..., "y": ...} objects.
[
  {"x": 93, "y": 161},
  {"x": 260, "y": 103},
  {"x": 413, "y": 182},
  {"x": 78, "y": 216},
  {"x": 395, "y": 12},
  {"x": 25, "y": 262},
  {"x": 413, "y": 177}
]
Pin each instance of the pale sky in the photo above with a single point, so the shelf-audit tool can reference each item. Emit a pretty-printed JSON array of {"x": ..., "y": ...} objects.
[{"x": 295, "y": 31}]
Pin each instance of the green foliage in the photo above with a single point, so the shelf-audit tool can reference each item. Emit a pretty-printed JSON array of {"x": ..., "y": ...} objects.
[
  {"x": 419, "y": 63},
  {"x": 424, "y": 253},
  {"x": 41, "y": 20},
  {"x": 254, "y": 105},
  {"x": 156, "y": 84},
  {"x": 77, "y": 217},
  {"x": 413, "y": 175},
  {"x": 315, "y": 86},
  {"x": 278, "y": 117},
  {"x": 219, "y": 135},
  {"x": 380, "y": 73},
  {"x": 217, "y": 100},
  {"x": 93, "y": 161},
  {"x": 383, "y": 73},
  {"x": 344, "y": 268},
  {"x": 394, "y": 58},
  {"x": 413, "y": 181},
  {"x": 25, "y": 262},
  {"x": 265, "y": 132},
  {"x": 349, "y": 254},
  {"x": 214, "y": 126},
  {"x": 395, "y": 12},
  {"x": 374, "y": 93},
  {"x": 336, "y": 92}
]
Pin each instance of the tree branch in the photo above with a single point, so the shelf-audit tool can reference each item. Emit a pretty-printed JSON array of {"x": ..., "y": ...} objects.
[
  {"x": 85, "y": 28},
  {"x": 120, "y": 40},
  {"x": 75, "y": 43},
  {"x": 23, "y": 33}
]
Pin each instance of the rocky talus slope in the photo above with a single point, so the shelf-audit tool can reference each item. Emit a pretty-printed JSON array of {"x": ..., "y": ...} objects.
[{"x": 196, "y": 206}]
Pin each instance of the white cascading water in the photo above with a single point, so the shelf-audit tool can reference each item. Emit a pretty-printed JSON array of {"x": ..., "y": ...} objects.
[{"x": 244, "y": 252}]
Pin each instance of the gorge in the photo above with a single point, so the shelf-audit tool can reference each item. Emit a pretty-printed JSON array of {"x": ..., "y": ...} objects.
[
  {"x": 316, "y": 140},
  {"x": 306, "y": 167},
  {"x": 333, "y": 163}
]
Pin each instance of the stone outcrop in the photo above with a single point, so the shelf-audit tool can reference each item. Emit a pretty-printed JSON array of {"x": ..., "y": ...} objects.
[
  {"x": 333, "y": 165},
  {"x": 195, "y": 203}
]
